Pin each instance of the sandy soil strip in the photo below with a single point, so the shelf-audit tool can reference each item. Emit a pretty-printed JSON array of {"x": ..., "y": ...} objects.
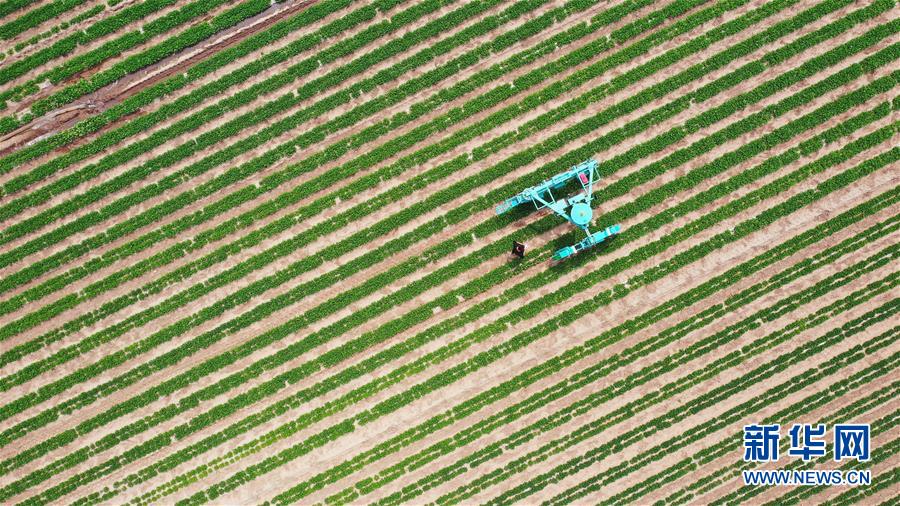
[
  {"x": 829, "y": 409},
  {"x": 312, "y": 248},
  {"x": 47, "y": 89},
  {"x": 55, "y": 23},
  {"x": 134, "y": 82},
  {"x": 664, "y": 296},
  {"x": 231, "y": 213},
  {"x": 774, "y": 493},
  {"x": 45, "y": 26},
  {"x": 242, "y": 258},
  {"x": 71, "y": 113},
  {"x": 67, "y": 17}
]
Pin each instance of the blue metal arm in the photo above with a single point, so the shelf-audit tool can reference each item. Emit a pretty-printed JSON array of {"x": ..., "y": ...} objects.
[{"x": 575, "y": 210}]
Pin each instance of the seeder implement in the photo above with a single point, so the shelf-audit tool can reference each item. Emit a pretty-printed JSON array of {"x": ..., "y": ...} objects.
[{"x": 576, "y": 209}]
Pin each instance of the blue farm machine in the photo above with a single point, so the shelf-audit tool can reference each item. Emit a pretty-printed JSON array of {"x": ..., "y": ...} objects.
[{"x": 576, "y": 209}]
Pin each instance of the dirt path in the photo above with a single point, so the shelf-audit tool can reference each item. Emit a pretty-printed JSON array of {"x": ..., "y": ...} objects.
[{"x": 107, "y": 97}]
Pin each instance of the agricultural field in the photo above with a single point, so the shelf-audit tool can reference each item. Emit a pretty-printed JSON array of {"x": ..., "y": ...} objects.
[{"x": 249, "y": 251}]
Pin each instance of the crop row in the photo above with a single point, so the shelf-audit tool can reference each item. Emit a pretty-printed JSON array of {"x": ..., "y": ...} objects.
[
  {"x": 134, "y": 103},
  {"x": 105, "y": 143},
  {"x": 204, "y": 340},
  {"x": 37, "y": 16},
  {"x": 880, "y": 481},
  {"x": 84, "y": 16},
  {"x": 403, "y": 439},
  {"x": 691, "y": 324},
  {"x": 7, "y": 7},
  {"x": 370, "y": 339},
  {"x": 231, "y": 103},
  {"x": 709, "y": 399},
  {"x": 723, "y": 448},
  {"x": 426, "y": 255},
  {"x": 670, "y": 363},
  {"x": 852, "y": 411},
  {"x": 306, "y": 140},
  {"x": 528, "y": 311},
  {"x": 97, "y": 30},
  {"x": 180, "y": 251},
  {"x": 795, "y": 327},
  {"x": 483, "y": 454},
  {"x": 115, "y": 304},
  {"x": 726, "y": 447},
  {"x": 715, "y": 451}
]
